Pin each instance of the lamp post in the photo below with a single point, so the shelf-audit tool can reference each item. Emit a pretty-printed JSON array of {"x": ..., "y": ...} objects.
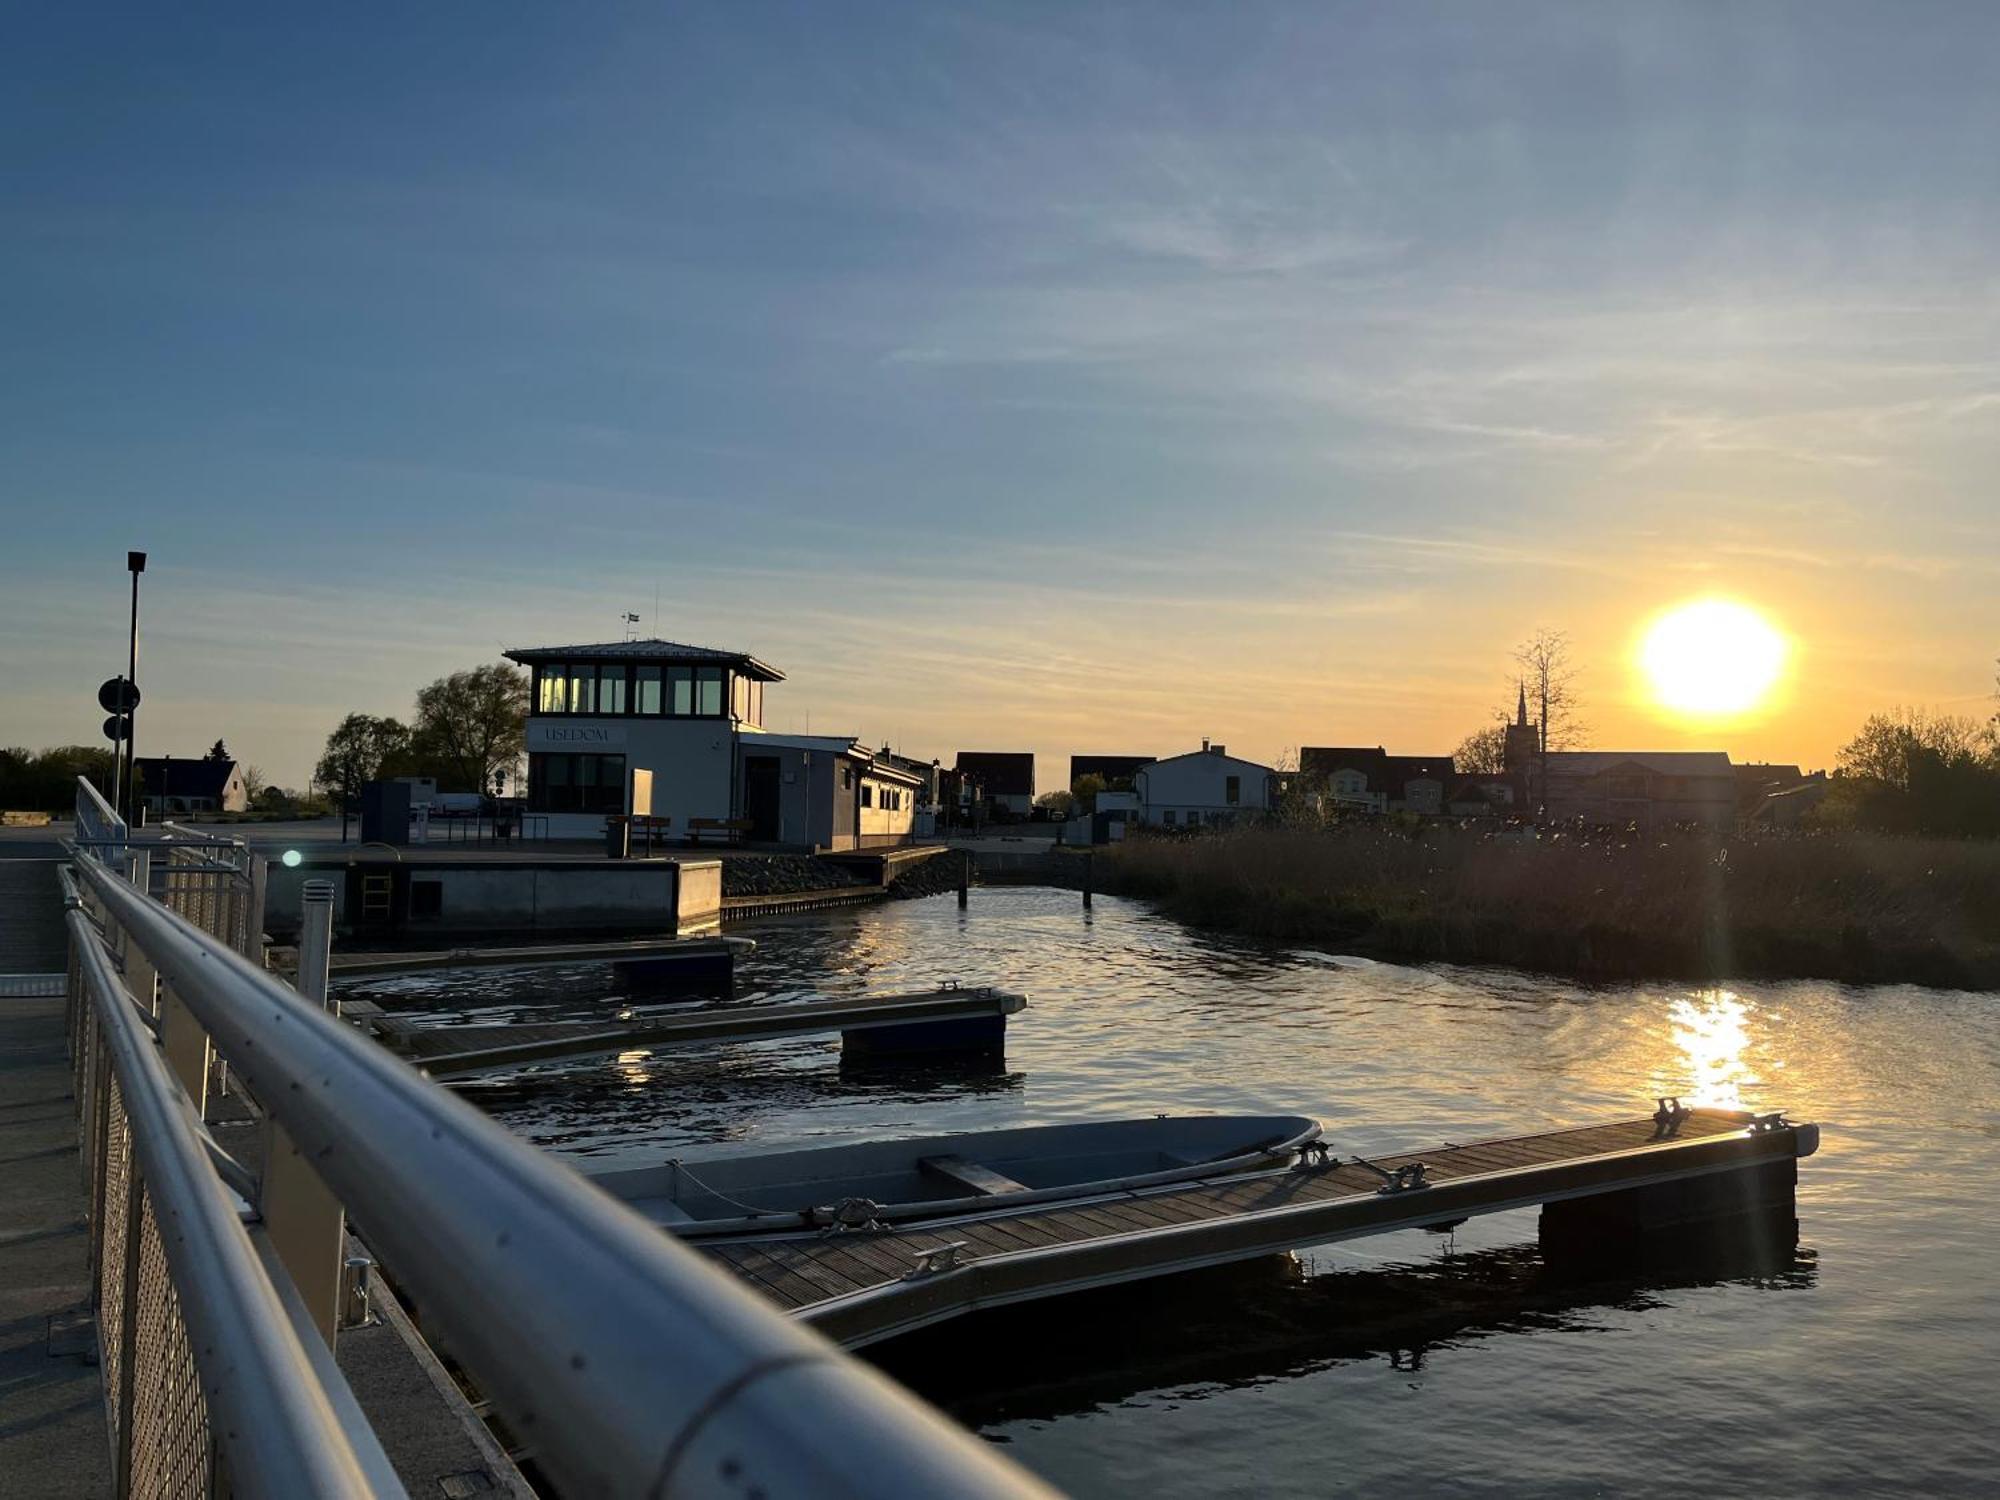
[{"x": 136, "y": 562}]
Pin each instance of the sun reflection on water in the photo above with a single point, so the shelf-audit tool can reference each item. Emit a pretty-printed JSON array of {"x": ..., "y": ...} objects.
[{"x": 1712, "y": 1031}]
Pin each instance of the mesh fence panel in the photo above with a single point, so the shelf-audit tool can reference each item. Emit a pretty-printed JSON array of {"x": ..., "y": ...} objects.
[
  {"x": 111, "y": 1267},
  {"x": 170, "y": 1437}
]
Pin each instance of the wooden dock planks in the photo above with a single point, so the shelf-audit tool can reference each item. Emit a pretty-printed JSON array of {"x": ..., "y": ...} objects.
[{"x": 860, "y": 1285}]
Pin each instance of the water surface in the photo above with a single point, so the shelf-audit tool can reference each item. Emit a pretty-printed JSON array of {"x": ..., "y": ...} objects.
[{"x": 1862, "y": 1359}]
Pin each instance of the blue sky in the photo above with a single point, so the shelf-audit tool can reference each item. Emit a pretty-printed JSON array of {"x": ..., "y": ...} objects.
[{"x": 1051, "y": 377}]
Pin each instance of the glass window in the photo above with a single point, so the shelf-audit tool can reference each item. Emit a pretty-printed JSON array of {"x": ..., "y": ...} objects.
[
  {"x": 1168, "y": 817},
  {"x": 611, "y": 690},
  {"x": 608, "y": 795},
  {"x": 1232, "y": 789},
  {"x": 867, "y": 794},
  {"x": 680, "y": 691},
  {"x": 552, "y": 699},
  {"x": 708, "y": 694},
  {"x": 646, "y": 690},
  {"x": 582, "y": 689}
]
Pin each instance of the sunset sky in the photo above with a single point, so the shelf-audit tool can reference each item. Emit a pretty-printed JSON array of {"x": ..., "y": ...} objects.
[{"x": 1012, "y": 377}]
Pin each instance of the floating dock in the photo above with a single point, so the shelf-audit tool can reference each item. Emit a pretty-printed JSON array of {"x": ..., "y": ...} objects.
[
  {"x": 949, "y": 1018},
  {"x": 1646, "y": 1178},
  {"x": 354, "y": 965}
]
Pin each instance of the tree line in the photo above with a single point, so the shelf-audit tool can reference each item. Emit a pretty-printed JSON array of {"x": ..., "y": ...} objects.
[{"x": 468, "y": 733}]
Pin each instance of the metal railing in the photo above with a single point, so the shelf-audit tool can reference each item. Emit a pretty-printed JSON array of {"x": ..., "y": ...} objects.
[
  {"x": 617, "y": 1356},
  {"x": 97, "y": 823},
  {"x": 208, "y": 1382}
]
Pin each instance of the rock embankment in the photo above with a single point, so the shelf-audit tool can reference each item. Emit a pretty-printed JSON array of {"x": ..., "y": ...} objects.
[
  {"x": 935, "y": 876},
  {"x": 781, "y": 875}
]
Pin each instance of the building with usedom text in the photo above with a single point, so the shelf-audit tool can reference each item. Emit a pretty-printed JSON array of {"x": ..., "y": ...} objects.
[{"x": 693, "y": 718}]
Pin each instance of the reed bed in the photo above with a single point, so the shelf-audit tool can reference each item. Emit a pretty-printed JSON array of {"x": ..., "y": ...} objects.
[{"x": 1865, "y": 908}]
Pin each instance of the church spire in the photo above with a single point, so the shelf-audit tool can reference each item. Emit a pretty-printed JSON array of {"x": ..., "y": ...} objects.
[{"x": 1521, "y": 706}]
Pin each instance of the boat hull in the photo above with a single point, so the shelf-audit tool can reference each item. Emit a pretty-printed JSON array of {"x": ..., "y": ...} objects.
[{"x": 948, "y": 1176}]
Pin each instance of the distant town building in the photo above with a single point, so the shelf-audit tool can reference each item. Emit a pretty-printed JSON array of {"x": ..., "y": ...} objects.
[
  {"x": 1621, "y": 788},
  {"x": 1115, "y": 771},
  {"x": 171, "y": 784},
  {"x": 1758, "y": 780},
  {"x": 1006, "y": 779},
  {"x": 1641, "y": 789},
  {"x": 1369, "y": 779},
  {"x": 691, "y": 718},
  {"x": 1204, "y": 788}
]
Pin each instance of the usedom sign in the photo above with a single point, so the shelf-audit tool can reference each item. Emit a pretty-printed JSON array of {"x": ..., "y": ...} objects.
[{"x": 576, "y": 736}]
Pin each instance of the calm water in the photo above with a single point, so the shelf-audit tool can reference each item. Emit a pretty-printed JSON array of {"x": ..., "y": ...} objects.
[{"x": 1863, "y": 1359}]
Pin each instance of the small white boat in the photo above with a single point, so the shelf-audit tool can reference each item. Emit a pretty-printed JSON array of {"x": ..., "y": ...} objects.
[{"x": 948, "y": 1176}]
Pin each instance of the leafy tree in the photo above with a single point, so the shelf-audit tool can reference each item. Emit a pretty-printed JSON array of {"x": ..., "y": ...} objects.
[
  {"x": 1483, "y": 752},
  {"x": 1908, "y": 771},
  {"x": 217, "y": 751},
  {"x": 1085, "y": 791},
  {"x": 474, "y": 723},
  {"x": 1890, "y": 745},
  {"x": 357, "y": 751},
  {"x": 1057, "y": 805}
]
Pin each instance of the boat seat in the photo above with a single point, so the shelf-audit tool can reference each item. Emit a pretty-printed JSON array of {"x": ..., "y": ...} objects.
[{"x": 971, "y": 1174}]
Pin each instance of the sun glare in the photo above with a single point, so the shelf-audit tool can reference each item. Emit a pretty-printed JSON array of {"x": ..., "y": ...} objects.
[{"x": 1712, "y": 658}]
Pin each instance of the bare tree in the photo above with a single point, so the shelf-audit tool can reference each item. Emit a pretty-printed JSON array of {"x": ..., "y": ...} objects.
[
  {"x": 1548, "y": 682},
  {"x": 1549, "y": 676}
]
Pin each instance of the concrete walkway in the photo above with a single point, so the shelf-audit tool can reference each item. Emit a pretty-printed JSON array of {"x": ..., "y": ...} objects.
[{"x": 53, "y": 1438}]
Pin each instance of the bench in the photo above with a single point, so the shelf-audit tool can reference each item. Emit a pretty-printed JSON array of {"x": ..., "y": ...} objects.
[
  {"x": 980, "y": 1178},
  {"x": 642, "y": 823},
  {"x": 731, "y": 829}
]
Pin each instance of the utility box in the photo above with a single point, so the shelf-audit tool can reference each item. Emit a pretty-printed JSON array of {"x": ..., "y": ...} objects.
[{"x": 385, "y": 812}]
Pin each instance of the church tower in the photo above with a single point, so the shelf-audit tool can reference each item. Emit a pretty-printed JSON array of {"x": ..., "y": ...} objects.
[{"x": 1523, "y": 743}]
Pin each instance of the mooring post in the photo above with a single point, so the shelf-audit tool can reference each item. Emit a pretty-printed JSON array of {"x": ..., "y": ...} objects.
[
  {"x": 1089, "y": 866},
  {"x": 964, "y": 876},
  {"x": 304, "y": 1219}
]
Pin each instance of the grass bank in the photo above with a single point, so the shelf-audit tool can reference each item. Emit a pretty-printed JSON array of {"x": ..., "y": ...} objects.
[{"x": 1855, "y": 907}]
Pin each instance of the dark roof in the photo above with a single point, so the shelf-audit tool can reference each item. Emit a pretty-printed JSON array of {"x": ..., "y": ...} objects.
[
  {"x": 1760, "y": 775},
  {"x": 1110, "y": 767},
  {"x": 648, "y": 650},
  {"x": 171, "y": 776},
  {"x": 1321, "y": 761},
  {"x": 1386, "y": 773},
  {"x": 1000, "y": 773}
]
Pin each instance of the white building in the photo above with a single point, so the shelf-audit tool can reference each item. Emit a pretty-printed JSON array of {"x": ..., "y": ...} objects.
[
  {"x": 1204, "y": 787},
  {"x": 693, "y": 718}
]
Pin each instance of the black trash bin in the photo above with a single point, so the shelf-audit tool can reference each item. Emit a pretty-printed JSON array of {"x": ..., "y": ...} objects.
[{"x": 617, "y": 837}]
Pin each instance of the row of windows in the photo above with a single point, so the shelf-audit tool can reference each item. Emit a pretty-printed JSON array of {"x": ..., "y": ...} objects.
[
  {"x": 647, "y": 691},
  {"x": 893, "y": 798},
  {"x": 1171, "y": 819},
  {"x": 576, "y": 783}
]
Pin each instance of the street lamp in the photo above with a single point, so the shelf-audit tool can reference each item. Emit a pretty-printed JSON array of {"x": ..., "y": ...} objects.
[{"x": 136, "y": 562}]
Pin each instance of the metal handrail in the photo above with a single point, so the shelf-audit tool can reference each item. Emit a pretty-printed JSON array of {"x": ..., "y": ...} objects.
[
  {"x": 625, "y": 1362},
  {"x": 97, "y": 822},
  {"x": 270, "y": 1415}
]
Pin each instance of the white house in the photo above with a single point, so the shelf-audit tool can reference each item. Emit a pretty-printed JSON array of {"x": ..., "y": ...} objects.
[
  {"x": 693, "y": 717},
  {"x": 1204, "y": 787}
]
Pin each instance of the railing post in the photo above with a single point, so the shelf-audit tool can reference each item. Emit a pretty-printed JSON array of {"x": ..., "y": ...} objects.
[
  {"x": 304, "y": 1219},
  {"x": 140, "y": 977}
]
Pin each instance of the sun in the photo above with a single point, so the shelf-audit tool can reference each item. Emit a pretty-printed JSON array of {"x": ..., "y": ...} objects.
[{"x": 1712, "y": 658}]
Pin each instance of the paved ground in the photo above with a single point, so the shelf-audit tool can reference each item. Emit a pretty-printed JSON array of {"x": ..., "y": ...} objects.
[
  {"x": 32, "y": 937},
  {"x": 53, "y": 1438}
]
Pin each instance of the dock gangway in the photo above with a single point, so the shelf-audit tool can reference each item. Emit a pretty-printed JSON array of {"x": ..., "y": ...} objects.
[{"x": 621, "y": 1361}]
